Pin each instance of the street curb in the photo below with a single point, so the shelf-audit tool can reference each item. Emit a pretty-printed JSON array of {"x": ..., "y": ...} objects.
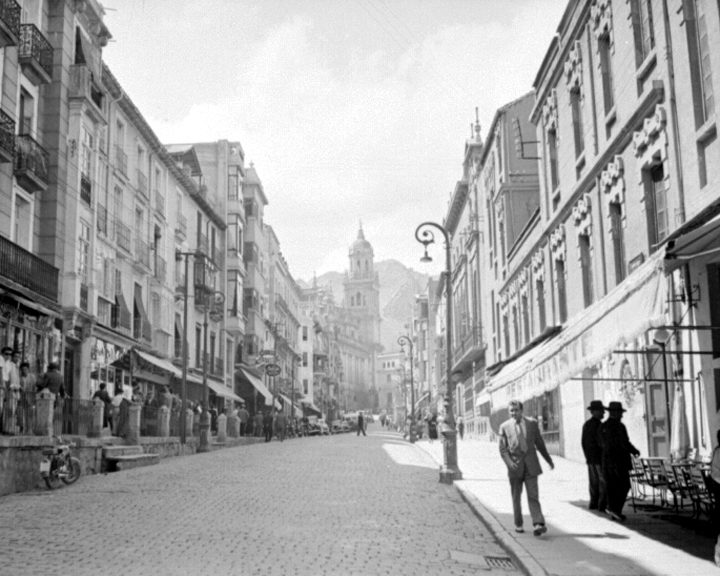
[{"x": 521, "y": 557}]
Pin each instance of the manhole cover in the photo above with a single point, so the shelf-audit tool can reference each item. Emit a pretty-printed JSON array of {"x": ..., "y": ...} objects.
[{"x": 499, "y": 562}]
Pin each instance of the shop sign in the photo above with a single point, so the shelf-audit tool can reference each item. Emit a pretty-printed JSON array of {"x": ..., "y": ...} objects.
[{"x": 272, "y": 370}]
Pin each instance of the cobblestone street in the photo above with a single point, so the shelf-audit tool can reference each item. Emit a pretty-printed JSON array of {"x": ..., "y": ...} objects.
[{"x": 339, "y": 505}]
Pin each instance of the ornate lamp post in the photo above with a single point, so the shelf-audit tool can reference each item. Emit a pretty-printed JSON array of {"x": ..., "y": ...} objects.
[
  {"x": 213, "y": 307},
  {"x": 402, "y": 341},
  {"x": 449, "y": 471}
]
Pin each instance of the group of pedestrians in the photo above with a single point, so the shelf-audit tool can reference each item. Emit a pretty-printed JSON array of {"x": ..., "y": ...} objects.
[{"x": 608, "y": 452}]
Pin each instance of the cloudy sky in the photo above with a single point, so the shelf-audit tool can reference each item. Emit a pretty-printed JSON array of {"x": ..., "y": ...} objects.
[{"x": 350, "y": 109}]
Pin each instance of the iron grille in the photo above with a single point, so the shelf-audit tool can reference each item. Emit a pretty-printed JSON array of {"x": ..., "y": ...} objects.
[
  {"x": 10, "y": 14},
  {"x": 34, "y": 45}
]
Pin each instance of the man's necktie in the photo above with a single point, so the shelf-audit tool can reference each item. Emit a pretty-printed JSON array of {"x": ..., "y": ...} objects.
[{"x": 521, "y": 438}]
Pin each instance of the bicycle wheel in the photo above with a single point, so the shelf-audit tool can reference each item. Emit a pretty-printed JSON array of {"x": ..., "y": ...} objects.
[
  {"x": 73, "y": 471},
  {"x": 52, "y": 480}
]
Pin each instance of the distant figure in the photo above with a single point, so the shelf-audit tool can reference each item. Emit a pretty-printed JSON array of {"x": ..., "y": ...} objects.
[
  {"x": 268, "y": 426},
  {"x": 361, "y": 424},
  {"x": 281, "y": 425},
  {"x": 593, "y": 456},
  {"x": 519, "y": 439},
  {"x": 431, "y": 419},
  {"x": 243, "y": 415},
  {"x": 617, "y": 452},
  {"x": 461, "y": 427},
  {"x": 102, "y": 393},
  {"x": 258, "y": 424}
]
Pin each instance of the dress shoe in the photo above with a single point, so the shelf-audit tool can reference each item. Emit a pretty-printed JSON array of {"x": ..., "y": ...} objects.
[
  {"x": 540, "y": 529},
  {"x": 519, "y": 529}
]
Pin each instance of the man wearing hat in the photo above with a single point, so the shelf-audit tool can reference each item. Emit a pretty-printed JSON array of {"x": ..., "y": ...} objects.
[
  {"x": 593, "y": 456},
  {"x": 616, "y": 459}
]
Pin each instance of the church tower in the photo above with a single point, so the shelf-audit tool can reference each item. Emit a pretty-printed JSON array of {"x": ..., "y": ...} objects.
[{"x": 362, "y": 288}]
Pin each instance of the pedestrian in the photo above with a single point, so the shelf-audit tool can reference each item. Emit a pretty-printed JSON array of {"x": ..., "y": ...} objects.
[
  {"x": 617, "y": 452},
  {"x": 361, "y": 424},
  {"x": 593, "y": 456},
  {"x": 115, "y": 406},
  {"x": 213, "y": 419},
  {"x": 259, "y": 419},
  {"x": 520, "y": 441},
  {"x": 268, "y": 425},
  {"x": 52, "y": 380},
  {"x": 123, "y": 424},
  {"x": 281, "y": 425},
  {"x": 461, "y": 426},
  {"x": 244, "y": 416},
  {"x": 431, "y": 419},
  {"x": 165, "y": 398},
  {"x": 137, "y": 395},
  {"x": 102, "y": 393}
]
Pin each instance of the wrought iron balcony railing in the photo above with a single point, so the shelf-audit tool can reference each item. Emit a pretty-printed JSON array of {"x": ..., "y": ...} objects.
[
  {"x": 10, "y": 12},
  {"x": 85, "y": 189},
  {"x": 203, "y": 244},
  {"x": 7, "y": 137},
  {"x": 27, "y": 270},
  {"x": 35, "y": 54},
  {"x": 121, "y": 159},
  {"x": 31, "y": 163},
  {"x": 217, "y": 257},
  {"x": 82, "y": 87}
]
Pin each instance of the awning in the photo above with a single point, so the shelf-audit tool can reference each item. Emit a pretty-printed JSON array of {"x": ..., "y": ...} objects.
[
  {"x": 424, "y": 397},
  {"x": 629, "y": 310},
  {"x": 259, "y": 386},
  {"x": 311, "y": 407},
  {"x": 160, "y": 363},
  {"x": 31, "y": 304},
  {"x": 699, "y": 241},
  {"x": 224, "y": 391}
]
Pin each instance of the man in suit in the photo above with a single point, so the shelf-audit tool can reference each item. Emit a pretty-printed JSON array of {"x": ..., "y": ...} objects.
[
  {"x": 616, "y": 460},
  {"x": 520, "y": 440},
  {"x": 593, "y": 456}
]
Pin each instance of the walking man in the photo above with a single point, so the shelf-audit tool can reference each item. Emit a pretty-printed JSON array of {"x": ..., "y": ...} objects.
[
  {"x": 520, "y": 440},
  {"x": 280, "y": 425},
  {"x": 268, "y": 425},
  {"x": 361, "y": 424},
  {"x": 593, "y": 456},
  {"x": 616, "y": 460},
  {"x": 244, "y": 416}
]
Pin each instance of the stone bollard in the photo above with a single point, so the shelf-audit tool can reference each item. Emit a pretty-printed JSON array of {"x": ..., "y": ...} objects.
[
  {"x": 45, "y": 404},
  {"x": 164, "y": 421},
  {"x": 233, "y": 426},
  {"x": 98, "y": 412},
  {"x": 222, "y": 428},
  {"x": 189, "y": 422},
  {"x": 133, "y": 437}
]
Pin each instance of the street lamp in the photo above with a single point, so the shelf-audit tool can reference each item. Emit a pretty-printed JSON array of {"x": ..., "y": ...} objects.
[
  {"x": 212, "y": 306},
  {"x": 449, "y": 471},
  {"x": 402, "y": 341}
]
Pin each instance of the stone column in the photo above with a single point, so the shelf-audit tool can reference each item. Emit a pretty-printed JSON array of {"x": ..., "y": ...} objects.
[
  {"x": 189, "y": 422},
  {"x": 164, "y": 421},
  {"x": 45, "y": 403},
  {"x": 133, "y": 437},
  {"x": 98, "y": 411},
  {"x": 222, "y": 428},
  {"x": 233, "y": 426}
]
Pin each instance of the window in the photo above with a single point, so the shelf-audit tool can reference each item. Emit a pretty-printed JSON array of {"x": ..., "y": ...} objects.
[
  {"x": 26, "y": 116},
  {"x": 618, "y": 241},
  {"x": 305, "y": 359},
  {"x": 586, "y": 269},
  {"x": 249, "y": 208},
  {"x": 516, "y": 327},
  {"x": 642, "y": 21},
  {"x": 22, "y": 219},
  {"x": 84, "y": 252},
  {"x": 553, "y": 159},
  {"x": 540, "y": 294},
  {"x": 578, "y": 133},
  {"x": 562, "y": 294},
  {"x": 525, "y": 319},
  {"x": 699, "y": 52},
  {"x": 506, "y": 331},
  {"x": 304, "y": 333},
  {"x": 606, "y": 72},
  {"x": 657, "y": 209},
  {"x": 305, "y": 386}
]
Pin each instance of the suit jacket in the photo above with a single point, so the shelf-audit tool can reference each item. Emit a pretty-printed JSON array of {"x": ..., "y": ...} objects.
[
  {"x": 616, "y": 446},
  {"x": 591, "y": 441},
  {"x": 521, "y": 464}
]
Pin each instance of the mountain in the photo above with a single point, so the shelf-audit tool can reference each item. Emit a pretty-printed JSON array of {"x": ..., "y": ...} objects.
[{"x": 398, "y": 287}]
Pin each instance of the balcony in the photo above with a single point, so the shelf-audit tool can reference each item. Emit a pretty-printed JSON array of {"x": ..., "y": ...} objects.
[
  {"x": 7, "y": 137},
  {"x": 27, "y": 270},
  {"x": 142, "y": 184},
  {"x": 142, "y": 253},
  {"x": 85, "y": 189},
  {"x": 31, "y": 164},
  {"x": 35, "y": 55},
  {"x": 83, "y": 88},
  {"x": 102, "y": 219},
  {"x": 122, "y": 235},
  {"x": 121, "y": 160},
  {"x": 467, "y": 348},
  {"x": 9, "y": 23},
  {"x": 160, "y": 269},
  {"x": 181, "y": 227},
  {"x": 159, "y": 203}
]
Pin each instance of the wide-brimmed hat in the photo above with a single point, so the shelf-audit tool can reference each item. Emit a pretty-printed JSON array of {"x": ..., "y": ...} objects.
[
  {"x": 616, "y": 406},
  {"x": 6, "y": 350},
  {"x": 596, "y": 405}
]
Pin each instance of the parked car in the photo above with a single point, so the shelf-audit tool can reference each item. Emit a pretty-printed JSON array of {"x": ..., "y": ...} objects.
[
  {"x": 324, "y": 428},
  {"x": 340, "y": 426}
]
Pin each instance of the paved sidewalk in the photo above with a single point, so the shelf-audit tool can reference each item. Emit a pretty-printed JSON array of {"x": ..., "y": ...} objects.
[{"x": 579, "y": 542}]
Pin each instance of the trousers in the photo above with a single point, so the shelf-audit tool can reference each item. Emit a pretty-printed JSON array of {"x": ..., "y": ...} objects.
[
  {"x": 533, "y": 499},
  {"x": 597, "y": 488},
  {"x": 618, "y": 487}
]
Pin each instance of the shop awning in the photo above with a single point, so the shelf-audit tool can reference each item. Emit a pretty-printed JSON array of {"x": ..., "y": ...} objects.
[
  {"x": 224, "y": 391},
  {"x": 259, "y": 386},
  {"x": 311, "y": 407},
  {"x": 160, "y": 363},
  {"x": 629, "y": 310},
  {"x": 696, "y": 242}
]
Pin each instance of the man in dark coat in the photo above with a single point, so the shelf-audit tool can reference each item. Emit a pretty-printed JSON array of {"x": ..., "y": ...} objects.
[
  {"x": 268, "y": 425},
  {"x": 102, "y": 393},
  {"x": 361, "y": 424},
  {"x": 593, "y": 456},
  {"x": 616, "y": 460}
]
